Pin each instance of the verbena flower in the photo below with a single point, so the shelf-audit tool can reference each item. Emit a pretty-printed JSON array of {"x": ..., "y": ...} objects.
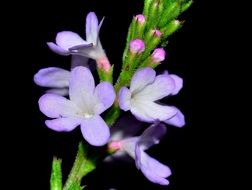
[
  {"x": 86, "y": 103},
  {"x": 68, "y": 42},
  {"x": 145, "y": 90},
  {"x": 135, "y": 147},
  {"x": 57, "y": 79}
]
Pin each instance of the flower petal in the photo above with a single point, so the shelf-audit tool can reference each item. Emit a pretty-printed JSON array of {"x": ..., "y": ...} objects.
[
  {"x": 161, "y": 87},
  {"x": 56, "y": 49},
  {"x": 178, "y": 84},
  {"x": 68, "y": 39},
  {"x": 59, "y": 91},
  {"x": 63, "y": 124},
  {"x": 52, "y": 77},
  {"x": 81, "y": 88},
  {"x": 150, "y": 112},
  {"x": 55, "y": 106},
  {"x": 129, "y": 145},
  {"x": 106, "y": 95},
  {"x": 155, "y": 171},
  {"x": 124, "y": 98},
  {"x": 95, "y": 131},
  {"x": 177, "y": 120},
  {"x": 151, "y": 136},
  {"x": 142, "y": 78},
  {"x": 92, "y": 28}
]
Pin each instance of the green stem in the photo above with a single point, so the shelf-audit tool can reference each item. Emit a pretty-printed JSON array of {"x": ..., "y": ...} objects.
[
  {"x": 56, "y": 175},
  {"x": 82, "y": 166}
]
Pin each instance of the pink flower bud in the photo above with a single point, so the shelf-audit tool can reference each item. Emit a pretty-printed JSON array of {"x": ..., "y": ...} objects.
[
  {"x": 114, "y": 146},
  {"x": 140, "y": 18},
  {"x": 104, "y": 64},
  {"x": 156, "y": 33},
  {"x": 158, "y": 55},
  {"x": 137, "y": 46}
]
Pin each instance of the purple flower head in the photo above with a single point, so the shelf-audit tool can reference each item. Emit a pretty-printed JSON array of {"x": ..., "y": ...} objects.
[
  {"x": 158, "y": 55},
  {"x": 68, "y": 42},
  {"x": 140, "y": 18},
  {"x": 145, "y": 90},
  {"x": 135, "y": 147},
  {"x": 137, "y": 46},
  {"x": 86, "y": 103}
]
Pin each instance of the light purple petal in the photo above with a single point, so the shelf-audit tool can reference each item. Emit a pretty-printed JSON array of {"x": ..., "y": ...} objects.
[
  {"x": 155, "y": 171},
  {"x": 56, "y": 49},
  {"x": 151, "y": 136},
  {"x": 138, "y": 153},
  {"x": 58, "y": 91},
  {"x": 129, "y": 145},
  {"x": 55, "y": 106},
  {"x": 150, "y": 112},
  {"x": 52, "y": 77},
  {"x": 95, "y": 131},
  {"x": 178, "y": 84},
  {"x": 153, "y": 177},
  {"x": 92, "y": 28},
  {"x": 142, "y": 78},
  {"x": 106, "y": 95},
  {"x": 68, "y": 39},
  {"x": 81, "y": 88},
  {"x": 63, "y": 124},
  {"x": 162, "y": 86},
  {"x": 124, "y": 98},
  {"x": 177, "y": 120}
]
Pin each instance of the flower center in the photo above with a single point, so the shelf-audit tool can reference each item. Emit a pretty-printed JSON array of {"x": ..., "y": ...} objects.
[{"x": 87, "y": 115}]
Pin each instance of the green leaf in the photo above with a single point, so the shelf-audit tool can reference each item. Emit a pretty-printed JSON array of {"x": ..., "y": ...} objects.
[{"x": 56, "y": 176}]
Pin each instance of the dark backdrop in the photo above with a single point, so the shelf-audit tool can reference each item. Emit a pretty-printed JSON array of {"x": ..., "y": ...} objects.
[{"x": 180, "y": 149}]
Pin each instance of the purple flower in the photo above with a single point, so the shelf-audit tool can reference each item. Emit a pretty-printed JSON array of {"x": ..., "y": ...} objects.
[
  {"x": 135, "y": 147},
  {"x": 145, "y": 90},
  {"x": 57, "y": 79},
  {"x": 84, "y": 107},
  {"x": 68, "y": 42}
]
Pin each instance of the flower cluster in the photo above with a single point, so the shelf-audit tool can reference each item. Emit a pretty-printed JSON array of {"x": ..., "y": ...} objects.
[{"x": 73, "y": 99}]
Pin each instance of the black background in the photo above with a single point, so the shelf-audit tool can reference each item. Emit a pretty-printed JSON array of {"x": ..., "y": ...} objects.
[{"x": 181, "y": 149}]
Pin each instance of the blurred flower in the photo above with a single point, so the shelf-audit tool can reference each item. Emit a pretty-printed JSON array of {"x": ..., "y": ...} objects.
[
  {"x": 86, "y": 104},
  {"x": 145, "y": 89},
  {"x": 135, "y": 147}
]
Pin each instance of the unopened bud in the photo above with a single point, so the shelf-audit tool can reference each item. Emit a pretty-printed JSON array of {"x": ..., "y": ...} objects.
[
  {"x": 103, "y": 64},
  {"x": 140, "y": 18},
  {"x": 158, "y": 55},
  {"x": 156, "y": 33},
  {"x": 137, "y": 46},
  {"x": 114, "y": 146}
]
